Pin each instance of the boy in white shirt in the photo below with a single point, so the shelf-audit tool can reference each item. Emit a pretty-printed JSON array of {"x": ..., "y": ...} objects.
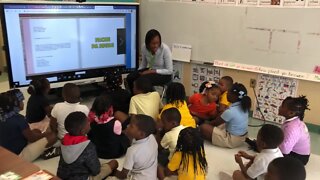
[
  {"x": 268, "y": 139},
  {"x": 140, "y": 161},
  {"x": 171, "y": 125},
  {"x": 71, "y": 95}
]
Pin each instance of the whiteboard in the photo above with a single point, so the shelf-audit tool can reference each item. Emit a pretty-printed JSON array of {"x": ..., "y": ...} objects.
[{"x": 280, "y": 38}]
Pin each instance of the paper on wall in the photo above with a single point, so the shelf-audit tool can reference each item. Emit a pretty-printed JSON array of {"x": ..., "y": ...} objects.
[
  {"x": 181, "y": 52},
  {"x": 271, "y": 91}
]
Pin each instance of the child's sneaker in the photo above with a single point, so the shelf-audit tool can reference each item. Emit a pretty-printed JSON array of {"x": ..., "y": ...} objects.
[
  {"x": 51, "y": 153},
  {"x": 252, "y": 144}
]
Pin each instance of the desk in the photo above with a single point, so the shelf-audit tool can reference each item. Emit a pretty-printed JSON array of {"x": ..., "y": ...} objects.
[{"x": 11, "y": 162}]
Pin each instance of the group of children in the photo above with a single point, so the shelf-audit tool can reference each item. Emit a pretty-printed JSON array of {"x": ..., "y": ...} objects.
[{"x": 156, "y": 141}]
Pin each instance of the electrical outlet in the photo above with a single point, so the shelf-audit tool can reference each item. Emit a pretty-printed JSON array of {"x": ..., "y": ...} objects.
[{"x": 253, "y": 83}]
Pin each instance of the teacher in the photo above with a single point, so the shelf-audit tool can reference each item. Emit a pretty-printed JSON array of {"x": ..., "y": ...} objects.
[{"x": 156, "y": 63}]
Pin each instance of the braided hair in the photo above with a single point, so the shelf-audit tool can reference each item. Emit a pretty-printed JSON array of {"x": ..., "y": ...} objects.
[
  {"x": 8, "y": 104},
  {"x": 5, "y": 106},
  {"x": 190, "y": 143},
  {"x": 175, "y": 94},
  {"x": 298, "y": 105}
]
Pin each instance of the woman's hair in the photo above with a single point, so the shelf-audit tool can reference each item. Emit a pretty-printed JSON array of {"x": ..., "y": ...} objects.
[
  {"x": 190, "y": 143},
  {"x": 297, "y": 105},
  {"x": 101, "y": 104},
  {"x": 150, "y": 35},
  {"x": 240, "y": 91},
  {"x": 144, "y": 84},
  {"x": 175, "y": 93},
  {"x": 38, "y": 86}
]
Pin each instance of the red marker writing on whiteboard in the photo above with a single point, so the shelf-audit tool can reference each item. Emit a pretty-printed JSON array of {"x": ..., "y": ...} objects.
[{"x": 316, "y": 69}]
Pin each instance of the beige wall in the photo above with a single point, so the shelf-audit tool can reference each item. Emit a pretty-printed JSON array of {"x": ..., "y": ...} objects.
[
  {"x": 2, "y": 54},
  {"x": 308, "y": 88}
]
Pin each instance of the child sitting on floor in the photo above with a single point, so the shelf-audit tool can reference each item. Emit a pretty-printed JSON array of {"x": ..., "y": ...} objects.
[
  {"x": 145, "y": 101},
  {"x": 176, "y": 97},
  {"x": 286, "y": 168},
  {"x": 204, "y": 105},
  {"x": 106, "y": 131},
  {"x": 38, "y": 107},
  {"x": 234, "y": 132},
  {"x": 189, "y": 159},
  {"x": 141, "y": 157},
  {"x": 120, "y": 97},
  {"x": 268, "y": 139},
  {"x": 15, "y": 133},
  {"x": 296, "y": 141},
  {"x": 225, "y": 84},
  {"x": 171, "y": 125},
  {"x": 79, "y": 160},
  {"x": 71, "y": 95}
]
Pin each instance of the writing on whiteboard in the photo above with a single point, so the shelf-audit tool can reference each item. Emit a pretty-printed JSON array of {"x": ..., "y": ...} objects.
[
  {"x": 268, "y": 70},
  {"x": 181, "y": 52}
]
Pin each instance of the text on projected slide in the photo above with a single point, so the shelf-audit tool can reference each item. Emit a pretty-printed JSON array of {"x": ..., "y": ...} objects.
[{"x": 48, "y": 49}]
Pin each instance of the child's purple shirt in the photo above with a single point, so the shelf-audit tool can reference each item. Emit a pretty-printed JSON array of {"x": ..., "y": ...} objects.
[{"x": 296, "y": 137}]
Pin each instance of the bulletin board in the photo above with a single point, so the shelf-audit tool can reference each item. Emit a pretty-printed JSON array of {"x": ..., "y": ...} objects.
[{"x": 271, "y": 91}]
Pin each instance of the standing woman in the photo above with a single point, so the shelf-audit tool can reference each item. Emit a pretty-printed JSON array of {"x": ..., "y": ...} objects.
[{"x": 156, "y": 63}]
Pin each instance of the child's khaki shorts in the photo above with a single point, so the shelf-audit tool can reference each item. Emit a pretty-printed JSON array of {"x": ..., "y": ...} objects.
[{"x": 222, "y": 138}]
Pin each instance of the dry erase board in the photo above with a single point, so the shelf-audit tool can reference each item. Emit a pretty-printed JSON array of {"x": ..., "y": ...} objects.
[{"x": 280, "y": 38}]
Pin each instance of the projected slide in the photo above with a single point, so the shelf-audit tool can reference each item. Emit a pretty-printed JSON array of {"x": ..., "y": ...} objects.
[
  {"x": 47, "y": 48},
  {"x": 99, "y": 47},
  {"x": 57, "y": 44}
]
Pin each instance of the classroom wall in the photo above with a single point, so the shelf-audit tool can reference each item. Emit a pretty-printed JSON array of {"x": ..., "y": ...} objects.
[
  {"x": 308, "y": 88},
  {"x": 2, "y": 53}
]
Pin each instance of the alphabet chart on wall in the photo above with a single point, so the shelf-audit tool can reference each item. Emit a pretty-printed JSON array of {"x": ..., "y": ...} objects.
[
  {"x": 271, "y": 91},
  {"x": 201, "y": 73}
]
